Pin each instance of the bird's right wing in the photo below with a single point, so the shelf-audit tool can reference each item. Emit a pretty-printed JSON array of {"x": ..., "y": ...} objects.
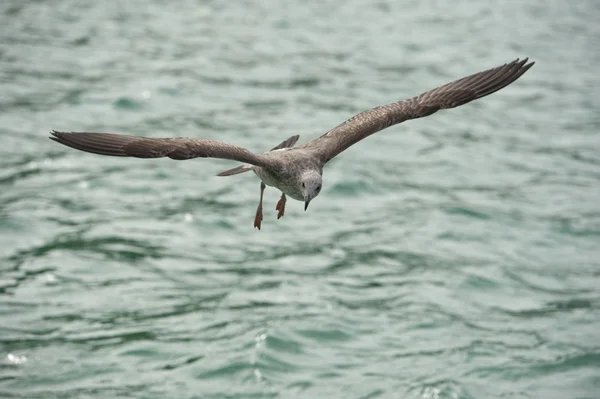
[{"x": 180, "y": 148}]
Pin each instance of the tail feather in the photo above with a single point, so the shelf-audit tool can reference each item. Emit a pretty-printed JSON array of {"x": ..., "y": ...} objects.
[{"x": 235, "y": 171}]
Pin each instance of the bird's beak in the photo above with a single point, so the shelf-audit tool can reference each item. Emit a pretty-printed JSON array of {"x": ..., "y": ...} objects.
[{"x": 306, "y": 204}]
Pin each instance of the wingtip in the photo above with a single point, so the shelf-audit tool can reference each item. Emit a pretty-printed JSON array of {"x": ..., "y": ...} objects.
[
  {"x": 56, "y": 133},
  {"x": 523, "y": 63},
  {"x": 519, "y": 65},
  {"x": 524, "y": 66}
]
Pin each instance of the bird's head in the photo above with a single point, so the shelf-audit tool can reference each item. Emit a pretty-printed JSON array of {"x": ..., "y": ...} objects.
[{"x": 311, "y": 182}]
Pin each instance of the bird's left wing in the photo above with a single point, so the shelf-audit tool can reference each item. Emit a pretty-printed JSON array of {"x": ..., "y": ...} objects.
[{"x": 449, "y": 95}]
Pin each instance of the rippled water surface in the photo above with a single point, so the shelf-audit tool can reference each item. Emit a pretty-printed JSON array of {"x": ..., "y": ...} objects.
[{"x": 454, "y": 256}]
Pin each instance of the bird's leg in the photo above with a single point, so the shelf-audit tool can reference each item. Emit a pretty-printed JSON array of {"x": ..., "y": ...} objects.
[
  {"x": 259, "y": 215},
  {"x": 281, "y": 206}
]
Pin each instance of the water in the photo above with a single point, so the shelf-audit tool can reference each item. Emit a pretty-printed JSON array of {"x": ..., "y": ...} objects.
[{"x": 450, "y": 257}]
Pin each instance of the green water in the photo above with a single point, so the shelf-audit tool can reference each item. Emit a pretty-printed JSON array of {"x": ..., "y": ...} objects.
[{"x": 456, "y": 256}]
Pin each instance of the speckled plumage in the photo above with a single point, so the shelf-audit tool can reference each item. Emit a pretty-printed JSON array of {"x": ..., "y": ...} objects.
[
  {"x": 293, "y": 162},
  {"x": 297, "y": 171}
]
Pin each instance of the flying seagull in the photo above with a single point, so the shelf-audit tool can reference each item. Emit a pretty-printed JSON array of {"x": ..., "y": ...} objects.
[{"x": 297, "y": 171}]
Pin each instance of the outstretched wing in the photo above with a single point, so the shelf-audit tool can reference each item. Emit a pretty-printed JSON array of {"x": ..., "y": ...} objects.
[
  {"x": 450, "y": 95},
  {"x": 144, "y": 147}
]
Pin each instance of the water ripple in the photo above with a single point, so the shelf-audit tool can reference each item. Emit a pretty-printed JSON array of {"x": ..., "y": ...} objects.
[{"x": 450, "y": 257}]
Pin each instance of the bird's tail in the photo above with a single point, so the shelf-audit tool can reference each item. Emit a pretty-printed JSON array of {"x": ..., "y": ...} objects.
[
  {"x": 235, "y": 171},
  {"x": 246, "y": 167}
]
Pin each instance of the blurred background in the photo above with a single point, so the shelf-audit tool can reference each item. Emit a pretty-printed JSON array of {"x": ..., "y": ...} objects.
[{"x": 455, "y": 256}]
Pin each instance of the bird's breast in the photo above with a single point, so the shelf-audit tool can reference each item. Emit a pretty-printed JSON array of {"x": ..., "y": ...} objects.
[{"x": 283, "y": 182}]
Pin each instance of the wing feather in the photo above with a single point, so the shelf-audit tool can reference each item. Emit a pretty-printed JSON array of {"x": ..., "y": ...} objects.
[
  {"x": 144, "y": 147},
  {"x": 450, "y": 95}
]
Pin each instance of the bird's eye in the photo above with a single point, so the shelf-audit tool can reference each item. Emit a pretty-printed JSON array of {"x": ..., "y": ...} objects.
[
  {"x": 319, "y": 188},
  {"x": 303, "y": 186}
]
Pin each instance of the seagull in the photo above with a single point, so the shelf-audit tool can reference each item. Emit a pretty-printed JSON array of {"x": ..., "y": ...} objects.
[{"x": 297, "y": 171}]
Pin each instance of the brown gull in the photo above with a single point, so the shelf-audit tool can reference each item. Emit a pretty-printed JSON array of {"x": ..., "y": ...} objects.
[{"x": 297, "y": 171}]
